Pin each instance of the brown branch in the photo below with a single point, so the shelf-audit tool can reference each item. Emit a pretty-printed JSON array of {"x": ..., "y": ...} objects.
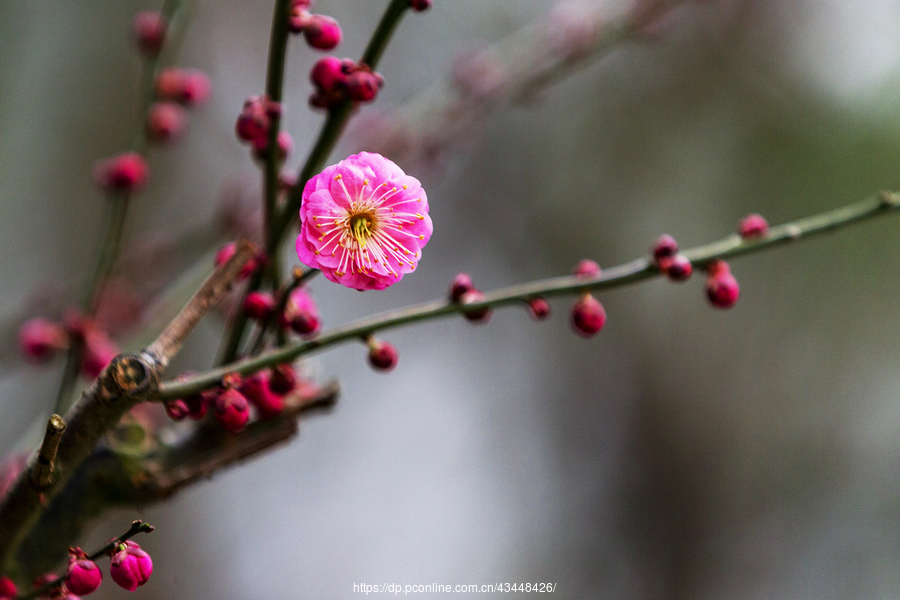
[
  {"x": 42, "y": 472},
  {"x": 210, "y": 448},
  {"x": 127, "y": 380}
]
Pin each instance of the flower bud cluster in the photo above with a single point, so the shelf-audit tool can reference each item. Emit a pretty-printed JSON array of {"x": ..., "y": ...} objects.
[
  {"x": 587, "y": 315},
  {"x": 129, "y": 566},
  {"x": 382, "y": 355},
  {"x": 463, "y": 291},
  {"x": 321, "y": 32},
  {"x": 300, "y": 313},
  {"x": 176, "y": 90},
  {"x": 338, "y": 79},
  {"x": 254, "y": 124},
  {"x": 673, "y": 265},
  {"x": 40, "y": 339},
  {"x": 228, "y": 250},
  {"x": 264, "y": 391}
]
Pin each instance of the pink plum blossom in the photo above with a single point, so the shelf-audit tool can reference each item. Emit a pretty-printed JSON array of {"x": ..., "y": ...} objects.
[{"x": 364, "y": 222}]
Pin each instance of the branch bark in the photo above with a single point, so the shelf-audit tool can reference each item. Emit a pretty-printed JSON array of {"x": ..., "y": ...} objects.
[{"x": 127, "y": 380}]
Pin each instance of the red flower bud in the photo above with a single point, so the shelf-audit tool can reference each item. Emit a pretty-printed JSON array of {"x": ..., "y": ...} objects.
[
  {"x": 99, "y": 351},
  {"x": 187, "y": 86},
  {"x": 460, "y": 284},
  {"x": 7, "y": 589},
  {"x": 481, "y": 315},
  {"x": 256, "y": 389},
  {"x": 259, "y": 305},
  {"x": 283, "y": 379},
  {"x": 722, "y": 289},
  {"x": 753, "y": 226},
  {"x": 382, "y": 355},
  {"x": 40, "y": 339},
  {"x": 149, "y": 28},
  {"x": 130, "y": 566},
  {"x": 255, "y": 119},
  {"x": 419, "y": 5},
  {"x": 363, "y": 86},
  {"x": 301, "y": 313},
  {"x": 328, "y": 74},
  {"x": 299, "y": 19},
  {"x": 665, "y": 245},
  {"x": 124, "y": 173},
  {"x": 232, "y": 409},
  {"x": 285, "y": 145},
  {"x": 83, "y": 576},
  {"x": 588, "y": 316},
  {"x": 538, "y": 308},
  {"x": 322, "y": 32},
  {"x": 165, "y": 120},
  {"x": 586, "y": 268},
  {"x": 676, "y": 268},
  {"x": 176, "y": 409},
  {"x": 227, "y": 251}
]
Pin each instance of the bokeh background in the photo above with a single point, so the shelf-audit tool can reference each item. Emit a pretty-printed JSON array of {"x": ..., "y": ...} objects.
[{"x": 684, "y": 452}]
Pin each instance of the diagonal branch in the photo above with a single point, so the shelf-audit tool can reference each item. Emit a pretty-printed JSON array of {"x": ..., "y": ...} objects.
[
  {"x": 632, "y": 272},
  {"x": 127, "y": 380}
]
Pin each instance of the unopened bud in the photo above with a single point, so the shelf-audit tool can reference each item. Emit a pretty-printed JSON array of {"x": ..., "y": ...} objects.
[
  {"x": 676, "y": 268},
  {"x": 149, "y": 28},
  {"x": 665, "y": 245},
  {"x": 259, "y": 305},
  {"x": 481, "y": 315},
  {"x": 419, "y": 5},
  {"x": 130, "y": 566},
  {"x": 232, "y": 409},
  {"x": 586, "y": 268},
  {"x": 124, "y": 173},
  {"x": 460, "y": 284},
  {"x": 382, "y": 355},
  {"x": 538, "y": 308},
  {"x": 588, "y": 316},
  {"x": 165, "y": 120},
  {"x": 722, "y": 289},
  {"x": 753, "y": 226},
  {"x": 322, "y": 32},
  {"x": 40, "y": 339},
  {"x": 82, "y": 576}
]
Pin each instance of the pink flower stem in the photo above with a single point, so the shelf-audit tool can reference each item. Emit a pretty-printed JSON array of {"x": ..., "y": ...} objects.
[
  {"x": 328, "y": 136},
  {"x": 632, "y": 272},
  {"x": 108, "y": 252},
  {"x": 136, "y": 528}
]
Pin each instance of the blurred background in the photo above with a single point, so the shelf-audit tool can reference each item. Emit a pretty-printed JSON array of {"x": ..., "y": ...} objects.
[{"x": 684, "y": 452}]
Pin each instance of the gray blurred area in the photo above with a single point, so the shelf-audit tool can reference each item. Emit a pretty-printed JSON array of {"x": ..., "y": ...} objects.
[{"x": 683, "y": 453}]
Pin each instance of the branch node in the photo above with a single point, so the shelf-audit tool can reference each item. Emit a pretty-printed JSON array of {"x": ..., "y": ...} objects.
[{"x": 889, "y": 199}]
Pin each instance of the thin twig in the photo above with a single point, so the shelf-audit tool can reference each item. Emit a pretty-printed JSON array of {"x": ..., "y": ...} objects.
[
  {"x": 136, "y": 528},
  {"x": 614, "y": 277},
  {"x": 42, "y": 472}
]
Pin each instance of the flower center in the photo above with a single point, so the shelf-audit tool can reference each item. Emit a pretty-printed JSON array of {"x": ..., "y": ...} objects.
[{"x": 361, "y": 226}]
